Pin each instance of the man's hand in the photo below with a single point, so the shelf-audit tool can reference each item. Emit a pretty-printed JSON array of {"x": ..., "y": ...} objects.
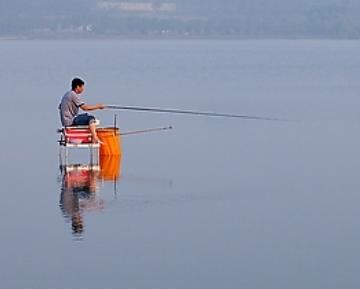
[{"x": 88, "y": 107}]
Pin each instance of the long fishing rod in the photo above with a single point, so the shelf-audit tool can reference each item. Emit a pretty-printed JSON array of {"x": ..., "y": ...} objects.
[
  {"x": 146, "y": 130},
  {"x": 178, "y": 111}
]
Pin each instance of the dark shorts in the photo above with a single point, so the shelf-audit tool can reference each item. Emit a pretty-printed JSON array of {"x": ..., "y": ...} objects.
[{"x": 83, "y": 119}]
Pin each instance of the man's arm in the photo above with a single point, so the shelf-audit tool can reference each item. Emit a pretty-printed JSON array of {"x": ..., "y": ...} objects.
[{"x": 88, "y": 107}]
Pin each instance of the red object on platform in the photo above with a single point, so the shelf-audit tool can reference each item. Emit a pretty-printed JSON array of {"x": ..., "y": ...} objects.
[{"x": 78, "y": 135}]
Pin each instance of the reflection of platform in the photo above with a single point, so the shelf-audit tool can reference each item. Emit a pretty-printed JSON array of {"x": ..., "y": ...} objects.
[
  {"x": 79, "y": 194},
  {"x": 79, "y": 167},
  {"x": 80, "y": 190},
  {"x": 108, "y": 170}
]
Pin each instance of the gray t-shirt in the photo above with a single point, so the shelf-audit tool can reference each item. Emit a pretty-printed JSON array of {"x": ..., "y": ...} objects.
[{"x": 69, "y": 107}]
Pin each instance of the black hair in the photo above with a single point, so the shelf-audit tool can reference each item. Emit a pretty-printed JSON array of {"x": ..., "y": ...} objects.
[{"x": 76, "y": 82}]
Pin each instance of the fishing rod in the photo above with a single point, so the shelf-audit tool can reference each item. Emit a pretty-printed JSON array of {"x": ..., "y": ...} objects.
[
  {"x": 203, "y": 113},
  {"x": 146, "y": 130}
]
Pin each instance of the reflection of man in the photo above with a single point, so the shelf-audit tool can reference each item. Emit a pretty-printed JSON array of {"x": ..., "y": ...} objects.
[{"x": 78, "y": 194}]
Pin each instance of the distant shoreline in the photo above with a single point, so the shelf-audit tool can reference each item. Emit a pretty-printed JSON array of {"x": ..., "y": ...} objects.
[{"x": 153, "y": 37}]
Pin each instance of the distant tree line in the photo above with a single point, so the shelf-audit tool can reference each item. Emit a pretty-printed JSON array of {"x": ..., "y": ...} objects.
[{"x": 230, "y": 18}]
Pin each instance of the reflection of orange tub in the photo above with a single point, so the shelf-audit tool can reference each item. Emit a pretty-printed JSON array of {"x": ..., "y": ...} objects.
[
  {"x": 110, "y": 136},
  {"x": 110, "y": 167}
]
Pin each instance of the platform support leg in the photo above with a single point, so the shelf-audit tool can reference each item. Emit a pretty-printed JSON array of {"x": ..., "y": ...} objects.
[
  {"x": 91, "y": 156},
  {"x": 98, "y": 155},
  {"x": 60, "y": 155},
  {"x": 66, "y": 156}
]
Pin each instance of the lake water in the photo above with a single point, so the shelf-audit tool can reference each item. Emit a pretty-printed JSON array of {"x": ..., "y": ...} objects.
[{"x": 213, "y": 203}]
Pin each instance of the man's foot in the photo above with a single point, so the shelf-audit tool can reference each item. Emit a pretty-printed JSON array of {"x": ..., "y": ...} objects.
[{"x": 97, "y": 140}]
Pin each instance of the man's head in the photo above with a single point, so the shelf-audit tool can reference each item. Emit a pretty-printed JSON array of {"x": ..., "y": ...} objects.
[{"x": 77, "y": 85}]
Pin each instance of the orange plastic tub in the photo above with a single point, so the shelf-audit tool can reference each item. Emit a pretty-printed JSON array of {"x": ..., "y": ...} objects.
[{"x": 110, "y": 138}]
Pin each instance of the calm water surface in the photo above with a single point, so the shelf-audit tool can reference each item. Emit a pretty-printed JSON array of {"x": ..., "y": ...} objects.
[{"x": 214, "y": 203}]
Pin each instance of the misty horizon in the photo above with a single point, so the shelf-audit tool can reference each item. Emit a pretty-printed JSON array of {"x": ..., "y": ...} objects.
[{"x": 181, "y": 18}]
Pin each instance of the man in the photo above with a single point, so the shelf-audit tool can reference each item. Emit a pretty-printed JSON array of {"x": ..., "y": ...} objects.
[{"x": 69, "y": 109}]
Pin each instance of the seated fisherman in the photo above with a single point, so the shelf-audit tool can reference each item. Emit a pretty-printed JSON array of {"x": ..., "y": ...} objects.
[{"x": 69, "y": 109}]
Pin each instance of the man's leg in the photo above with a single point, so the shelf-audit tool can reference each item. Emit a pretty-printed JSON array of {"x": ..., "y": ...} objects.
[
  {"x": 94, "y": 136},
  {"x": 86, "y": 119}
]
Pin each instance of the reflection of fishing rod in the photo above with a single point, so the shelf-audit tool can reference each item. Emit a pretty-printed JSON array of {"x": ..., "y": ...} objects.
[
  {"x": 178, "y": 111},
  {"x": 146, "y": 130}
]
